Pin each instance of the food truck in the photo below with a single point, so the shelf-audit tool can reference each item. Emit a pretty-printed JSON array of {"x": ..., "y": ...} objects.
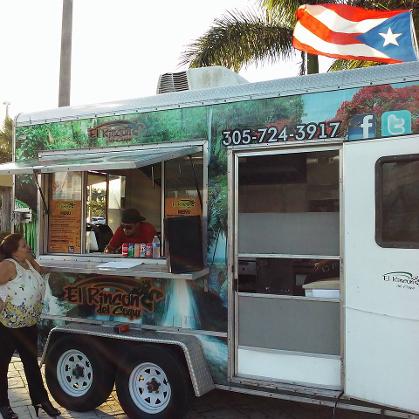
[{"x": 288, "y": 217}]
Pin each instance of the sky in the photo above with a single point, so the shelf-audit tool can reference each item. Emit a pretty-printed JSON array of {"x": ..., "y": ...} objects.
[{"x": 120, "y": 47}]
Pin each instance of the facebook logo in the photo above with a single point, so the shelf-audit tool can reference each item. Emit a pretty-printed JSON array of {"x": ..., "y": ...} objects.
[
  {"x": 362, "y": 127},
  {"x": 396, "y": 123}
]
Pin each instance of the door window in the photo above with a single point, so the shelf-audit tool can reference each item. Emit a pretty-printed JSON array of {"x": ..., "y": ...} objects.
[{"x": 288, "y": 223}]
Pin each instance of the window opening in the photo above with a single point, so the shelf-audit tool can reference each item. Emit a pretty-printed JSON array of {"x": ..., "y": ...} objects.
[{"x": 107, "y": 193}]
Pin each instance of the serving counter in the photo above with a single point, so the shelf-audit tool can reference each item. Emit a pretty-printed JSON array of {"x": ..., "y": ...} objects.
[{"x": 150, "y": 268}]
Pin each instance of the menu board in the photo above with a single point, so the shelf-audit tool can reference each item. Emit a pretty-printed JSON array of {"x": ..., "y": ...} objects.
[{"x": 64, "y": 226}]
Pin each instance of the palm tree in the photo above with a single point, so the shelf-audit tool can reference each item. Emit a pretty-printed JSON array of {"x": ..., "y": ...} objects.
[
  {"x": 6, "y": 137},
  {"x": 265, "y": 35}
]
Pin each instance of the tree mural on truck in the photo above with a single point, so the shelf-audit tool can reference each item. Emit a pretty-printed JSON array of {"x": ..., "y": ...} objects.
[{"x": 379, "y": 99}]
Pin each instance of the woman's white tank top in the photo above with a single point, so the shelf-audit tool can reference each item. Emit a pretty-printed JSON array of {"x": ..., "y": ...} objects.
[{"x": 23, "y": 304}]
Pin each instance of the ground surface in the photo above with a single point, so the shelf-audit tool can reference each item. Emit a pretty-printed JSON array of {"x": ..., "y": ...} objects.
[{"x": 216, "y": 405}]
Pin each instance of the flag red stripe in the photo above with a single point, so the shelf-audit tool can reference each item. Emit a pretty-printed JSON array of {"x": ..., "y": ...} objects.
[
  {"x": 303, "y": 47},
  {"x": 322, "y": 31},
  {"x": 357, "y": 14}
]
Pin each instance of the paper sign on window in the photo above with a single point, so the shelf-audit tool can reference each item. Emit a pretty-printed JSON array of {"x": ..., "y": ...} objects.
[
  {"x": 182, "y": 206},
  {"x": 64, "y": 227}
]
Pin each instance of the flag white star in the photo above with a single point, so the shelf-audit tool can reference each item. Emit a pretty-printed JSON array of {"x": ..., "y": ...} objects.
[{"x": 390, "y": 37}]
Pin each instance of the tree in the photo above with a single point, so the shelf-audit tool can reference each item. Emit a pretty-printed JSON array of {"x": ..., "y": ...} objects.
[
  {"x": 265, "y": 35},
  {"x": 6, "y": 136},
  {"x": 380, "y": 99},
  {"x": 6, "y": 139}
]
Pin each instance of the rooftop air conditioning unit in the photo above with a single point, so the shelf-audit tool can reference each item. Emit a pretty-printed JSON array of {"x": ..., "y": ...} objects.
[{"x": 198, "y": 78}]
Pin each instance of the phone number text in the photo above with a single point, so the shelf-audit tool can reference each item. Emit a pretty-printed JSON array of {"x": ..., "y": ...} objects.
[{"x": 301, "y": 132}]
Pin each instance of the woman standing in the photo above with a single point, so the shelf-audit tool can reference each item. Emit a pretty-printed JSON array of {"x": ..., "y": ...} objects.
[{"x": 18, "y": 321}]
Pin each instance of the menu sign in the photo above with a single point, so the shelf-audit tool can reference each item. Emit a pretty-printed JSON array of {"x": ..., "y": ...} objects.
[
  {"x": 182, "y": 206},
  {"x": 64, "y": 226}
]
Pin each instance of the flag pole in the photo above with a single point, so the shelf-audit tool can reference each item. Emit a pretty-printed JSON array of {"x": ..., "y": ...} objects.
[{"x": 414, "y": 38}]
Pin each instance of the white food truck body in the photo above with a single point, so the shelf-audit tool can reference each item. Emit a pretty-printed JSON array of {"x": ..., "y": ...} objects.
[{"x": 319, "y": 249}]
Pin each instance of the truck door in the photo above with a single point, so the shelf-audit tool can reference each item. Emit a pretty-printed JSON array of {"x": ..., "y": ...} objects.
[
  {"x": 381, "y": 271},
  {"x": 287, "y": 283}
]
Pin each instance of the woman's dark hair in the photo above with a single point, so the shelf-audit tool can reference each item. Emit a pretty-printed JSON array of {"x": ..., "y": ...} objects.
[{"x": 9, "y": 245}]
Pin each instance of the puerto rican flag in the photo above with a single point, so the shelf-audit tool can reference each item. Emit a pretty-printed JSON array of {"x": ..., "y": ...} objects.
[{"x": 341, "y": 31}]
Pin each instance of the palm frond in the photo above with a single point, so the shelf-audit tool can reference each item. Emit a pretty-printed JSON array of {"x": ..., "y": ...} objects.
[
  {"x": 351, "y": 64},
  {"x": 238, "y": 39},
  {"x": 384, "y": 4},
  {"x": 284, "y": 11}
]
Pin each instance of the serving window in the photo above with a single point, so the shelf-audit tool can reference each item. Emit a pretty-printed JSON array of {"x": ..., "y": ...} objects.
[{"x": 85, "y": 206}]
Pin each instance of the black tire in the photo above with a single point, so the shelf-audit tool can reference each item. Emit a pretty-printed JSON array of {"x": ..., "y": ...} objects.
[
  {"x": 177, "y": 378},
  {"x": 100, "y": 375}
]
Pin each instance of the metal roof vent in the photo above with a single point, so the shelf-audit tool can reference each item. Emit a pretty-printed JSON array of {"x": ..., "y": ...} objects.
[
  {"x": 198, "y": 78},
  {"x": 173, "y": 82}
]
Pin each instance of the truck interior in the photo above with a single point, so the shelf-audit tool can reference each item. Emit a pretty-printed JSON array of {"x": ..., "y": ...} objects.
[{"x": 102, "y": 195}]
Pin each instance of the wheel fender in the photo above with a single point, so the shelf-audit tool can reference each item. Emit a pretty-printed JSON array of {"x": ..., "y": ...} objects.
[{"x": 189, "y": 346}]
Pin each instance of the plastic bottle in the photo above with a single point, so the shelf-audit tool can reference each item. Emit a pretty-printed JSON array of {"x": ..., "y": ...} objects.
[{"x": 156, "y": 247}]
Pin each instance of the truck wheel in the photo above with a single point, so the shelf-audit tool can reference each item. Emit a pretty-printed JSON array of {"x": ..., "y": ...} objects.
[
  {"x": 77, "y": 376},
  {"x": 152, "y": 383}
]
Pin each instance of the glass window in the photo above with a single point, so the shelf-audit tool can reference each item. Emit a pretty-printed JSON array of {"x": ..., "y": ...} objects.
[
  {"x": 288, "y": 224},
  {"x": 290, "y": 276},
  {"x": 96, "y": 199},
  {"x": 289, "y": 204},
  {"x": 397, "y": 204},
  {"x": 116, "y": 200},
  {"x": 183, "y": 192}
]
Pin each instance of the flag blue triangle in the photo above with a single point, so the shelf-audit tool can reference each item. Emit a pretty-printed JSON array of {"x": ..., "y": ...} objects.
[{"x": 401, "y": 26}]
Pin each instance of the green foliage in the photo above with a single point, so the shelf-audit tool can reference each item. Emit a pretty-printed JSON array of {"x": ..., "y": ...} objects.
[
  {"x": 218, "y": 198},
  {"x": 6, "y": 140},
  {"x": 168, "y": 125},
  {"x": 96, "y": 203},
  {"x": 238, "y": 39},
  {"x": 351, "y": 64}
]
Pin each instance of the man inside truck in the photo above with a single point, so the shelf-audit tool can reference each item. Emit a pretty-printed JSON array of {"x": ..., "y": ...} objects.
[{"x": 133, "y": 229}]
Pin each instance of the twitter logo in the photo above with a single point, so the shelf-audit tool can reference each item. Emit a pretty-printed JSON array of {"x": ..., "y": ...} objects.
[{"x": 396, "y": 123}]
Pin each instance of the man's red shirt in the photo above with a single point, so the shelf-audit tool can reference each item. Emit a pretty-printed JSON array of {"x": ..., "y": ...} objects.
[{"x": 144, "y": 234}]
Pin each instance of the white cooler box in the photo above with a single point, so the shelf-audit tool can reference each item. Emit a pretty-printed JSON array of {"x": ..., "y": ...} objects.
[{"x": 329, "y": 288}]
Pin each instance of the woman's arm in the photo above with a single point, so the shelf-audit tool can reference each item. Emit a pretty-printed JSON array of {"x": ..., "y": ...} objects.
[
  {"x": 7, "y": 271},
  {"x": 37, "y": 266}
]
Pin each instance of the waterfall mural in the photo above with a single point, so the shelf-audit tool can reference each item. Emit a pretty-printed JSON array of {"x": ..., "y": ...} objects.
[{"x": 181, "y": 310}]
